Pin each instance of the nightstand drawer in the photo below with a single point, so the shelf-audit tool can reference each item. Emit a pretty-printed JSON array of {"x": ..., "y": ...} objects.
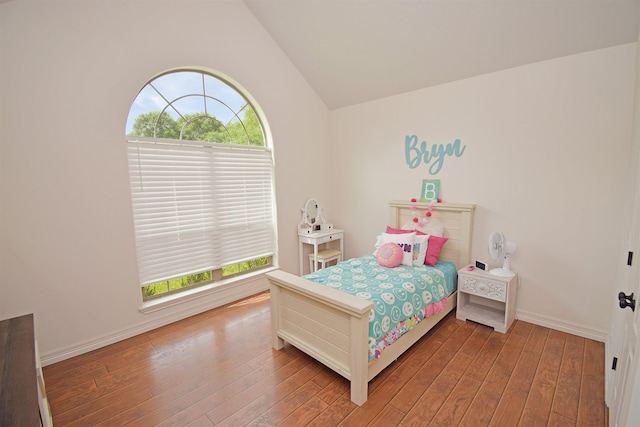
[
  {"x": 483, "y": 287},
  {"x": 329, "y": 238}
]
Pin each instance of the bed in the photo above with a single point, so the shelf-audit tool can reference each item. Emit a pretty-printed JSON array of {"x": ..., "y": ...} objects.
[{"x": 333, "y": 327}]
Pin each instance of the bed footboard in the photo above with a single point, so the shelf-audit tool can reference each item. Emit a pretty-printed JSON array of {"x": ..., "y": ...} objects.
[{"x": 329, "y": 325}]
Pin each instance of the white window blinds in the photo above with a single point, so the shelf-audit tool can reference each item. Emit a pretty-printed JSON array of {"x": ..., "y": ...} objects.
[{"x": 199, "y": 208}]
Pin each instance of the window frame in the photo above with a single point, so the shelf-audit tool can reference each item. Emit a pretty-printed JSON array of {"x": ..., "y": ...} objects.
[{"x": 218, "y": 278}]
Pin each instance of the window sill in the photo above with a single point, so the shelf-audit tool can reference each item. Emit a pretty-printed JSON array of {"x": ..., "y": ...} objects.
[{"x": 201, "y": 291}]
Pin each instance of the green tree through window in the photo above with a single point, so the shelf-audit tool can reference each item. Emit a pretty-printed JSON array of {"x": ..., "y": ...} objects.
[{"x": 199, "y": 127}]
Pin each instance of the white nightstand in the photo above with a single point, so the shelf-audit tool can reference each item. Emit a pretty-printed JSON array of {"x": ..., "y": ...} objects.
[{"x": 486, "y": 298}]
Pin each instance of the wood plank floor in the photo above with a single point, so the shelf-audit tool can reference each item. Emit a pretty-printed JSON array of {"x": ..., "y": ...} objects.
[{"x": 218, "y": 368}]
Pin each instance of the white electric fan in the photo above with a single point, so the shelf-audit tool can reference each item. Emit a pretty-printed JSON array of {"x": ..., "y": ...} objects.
[{"x": 499, "y": 249}]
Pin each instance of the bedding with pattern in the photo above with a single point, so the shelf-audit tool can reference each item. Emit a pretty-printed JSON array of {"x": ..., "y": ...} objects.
[{"x": 401, "y": 296}]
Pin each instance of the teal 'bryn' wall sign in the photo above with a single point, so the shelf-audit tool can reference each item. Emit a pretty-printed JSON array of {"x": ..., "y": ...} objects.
[{"x": 415, "y": 155}]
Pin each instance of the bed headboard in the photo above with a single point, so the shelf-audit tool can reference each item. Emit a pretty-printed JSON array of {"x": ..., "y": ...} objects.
[{"x": 457, "y": 219}]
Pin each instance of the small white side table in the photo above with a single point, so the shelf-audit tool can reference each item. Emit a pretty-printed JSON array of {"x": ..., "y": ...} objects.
[
  {"x": 486, "y": 298},
  {"x": 316, "y": 239}
]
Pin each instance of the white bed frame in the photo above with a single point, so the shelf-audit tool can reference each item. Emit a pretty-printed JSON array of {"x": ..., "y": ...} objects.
[{"x": 332, "y": 327}]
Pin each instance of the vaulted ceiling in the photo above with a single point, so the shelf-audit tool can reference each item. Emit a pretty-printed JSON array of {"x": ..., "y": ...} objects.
[{"x": 353, "y": 51}]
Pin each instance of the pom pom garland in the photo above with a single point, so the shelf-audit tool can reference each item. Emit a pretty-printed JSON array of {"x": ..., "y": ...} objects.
[{"x": 427, "y": 214}]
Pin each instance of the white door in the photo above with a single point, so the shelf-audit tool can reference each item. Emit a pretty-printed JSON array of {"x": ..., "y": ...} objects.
[
  {"x": 622, "y": 346},
  {"x": 621, "y": 364},
  {"x": 623, "y": 382},
  {"x": 615, "y": 371}
]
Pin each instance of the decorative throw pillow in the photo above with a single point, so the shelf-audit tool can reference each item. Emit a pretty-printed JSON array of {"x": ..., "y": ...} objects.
[
  {"x": 433, "y": 249},
  {"x": 405, "y": 241},
  {"x": 389, "y": 255},
  {"x": 420, "y": 247}
]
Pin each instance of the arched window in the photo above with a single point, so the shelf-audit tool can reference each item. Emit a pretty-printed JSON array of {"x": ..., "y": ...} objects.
[{"x": 201, "y": 177}]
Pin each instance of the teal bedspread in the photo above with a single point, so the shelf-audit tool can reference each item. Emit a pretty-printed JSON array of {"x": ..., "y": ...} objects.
[{"x": 401, "y": 296}]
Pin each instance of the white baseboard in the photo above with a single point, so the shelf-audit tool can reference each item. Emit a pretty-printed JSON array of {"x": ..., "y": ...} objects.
[
  {"x": 563, "y": 326},
  {"x": 215, "y": 298}
]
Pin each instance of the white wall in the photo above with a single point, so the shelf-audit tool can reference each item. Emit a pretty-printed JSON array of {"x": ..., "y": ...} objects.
[
  {"x": 69, "y": 72},
  {"x": 547, "y": 147}
]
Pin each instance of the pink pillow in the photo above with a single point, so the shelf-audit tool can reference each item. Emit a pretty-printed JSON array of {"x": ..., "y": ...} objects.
[
  {"x": 389, "y": 255},
  {"x": 433, "y": 249},
  {"x": 391, "y": 230}
]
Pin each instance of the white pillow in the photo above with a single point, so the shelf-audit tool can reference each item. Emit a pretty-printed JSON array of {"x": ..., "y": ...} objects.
[
  {"x": 433, "y": 228},
  {"x": 430, "y": 226},
  {"x": 378, "y": 243},
  {"x": 420, "y": 245},
  {"x": 410, "y": 225},
  {"x": 406, "y": 243}
]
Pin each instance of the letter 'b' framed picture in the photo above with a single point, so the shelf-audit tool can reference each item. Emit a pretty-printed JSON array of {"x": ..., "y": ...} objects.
[{"x": 430, "y": 190}]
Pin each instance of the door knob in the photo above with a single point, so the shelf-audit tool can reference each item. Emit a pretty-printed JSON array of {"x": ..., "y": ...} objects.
[{"x": 627, "y": 301}]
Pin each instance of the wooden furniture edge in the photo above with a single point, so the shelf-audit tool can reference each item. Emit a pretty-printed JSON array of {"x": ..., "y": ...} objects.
[
  {"x": 356, "y": 310},
  {"x": 19, "y": 404},
  {"x": 339, "y": 300}
]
